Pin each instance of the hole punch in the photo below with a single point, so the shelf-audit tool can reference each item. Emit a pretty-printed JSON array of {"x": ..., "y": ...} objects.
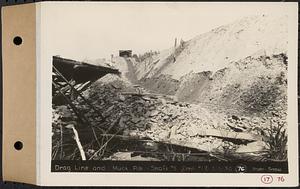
[
  {"x": 18, "y": 40},
  {"x": 18, "y": 145}
]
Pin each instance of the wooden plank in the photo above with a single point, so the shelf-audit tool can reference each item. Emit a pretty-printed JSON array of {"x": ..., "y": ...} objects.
[{"x": 230, "y": 134}]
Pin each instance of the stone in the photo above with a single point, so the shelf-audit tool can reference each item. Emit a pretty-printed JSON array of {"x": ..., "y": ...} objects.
[
  {"x": 148, "y": 114},
  {"x": 174, "y": 102},
  {"x": 140, "y": 158},
  {"x": 154, "y": 113},
  {"x": 164, "y": 135},
  {"x": 174, "y": 116},
  {"x": 122, "y": 122},
  {"x": 140, "y": 109},
  {"x": 244, "y": 119},
  {"x": 135, "y": 120},
  {"x": 252, "y": 147},
  {"x": 64, "y": 111},
  {"x": 151, "y": 146},
  {"x": 149, "y": 131},
  {"x": 121, "y": 156},
  {"x": 192, "y": 131},
  {"x": 153, "y": 120},
  {"x": 181, "y": 117},
  {"x": 235, "y": 117},
  {"x": 108, "y": 110},
  {"x": 140, "y": 101},
  {"x": 234, "y": 127},
  {"x": 177, "y": 137},
  {"x": 165, "y": 117},
  {"x": 55, "y": 116},
  {"x": 141, "y": 124},
  {"x": 173, "y": 131},
  {"x": 146, "y": 98},
  {"x": 133, "y": 133},
  {"x": 122, "y": 98},
  {"x": 163, "y": 101}
]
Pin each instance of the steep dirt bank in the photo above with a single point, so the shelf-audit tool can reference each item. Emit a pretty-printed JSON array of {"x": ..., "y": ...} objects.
[
  {"x": 162, "y": 84},
  {"x": 131, "y": 72},
  {"x": 255, "y": 84},
  {"x": 192, "y": 85},
  {"x": 251, "y": 85},
  {"x": 215, "y": 49}
]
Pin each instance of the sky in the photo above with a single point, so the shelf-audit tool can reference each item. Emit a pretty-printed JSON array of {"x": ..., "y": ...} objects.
[{"x": 93, "y": 30}]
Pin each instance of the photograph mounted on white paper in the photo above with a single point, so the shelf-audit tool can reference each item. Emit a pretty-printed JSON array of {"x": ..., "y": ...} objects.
[{"x": 170, "y": 87}]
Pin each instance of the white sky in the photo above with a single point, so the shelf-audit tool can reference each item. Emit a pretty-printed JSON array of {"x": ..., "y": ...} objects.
[{"x": 96, "y": 30}]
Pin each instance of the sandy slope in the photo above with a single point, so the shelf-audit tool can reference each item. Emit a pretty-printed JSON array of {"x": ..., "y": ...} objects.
[{"x": 215, "y": 49}]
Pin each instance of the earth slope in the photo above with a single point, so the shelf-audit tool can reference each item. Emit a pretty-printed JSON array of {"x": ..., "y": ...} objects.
[{"x": 215, "y": 49}]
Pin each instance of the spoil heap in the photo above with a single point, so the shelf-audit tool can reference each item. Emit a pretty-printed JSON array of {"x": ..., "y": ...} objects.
[{"x": 131, "y": 113}]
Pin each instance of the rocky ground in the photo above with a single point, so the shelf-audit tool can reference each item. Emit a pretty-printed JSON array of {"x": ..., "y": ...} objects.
[
  {"x": 158, "y": 123},
  {"x": 219, "y": 96}
]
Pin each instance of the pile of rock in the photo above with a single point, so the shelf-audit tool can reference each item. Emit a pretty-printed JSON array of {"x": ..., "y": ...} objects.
[
  {"x": 123, "y": 110},
  {"x": 161, "y": 118}
]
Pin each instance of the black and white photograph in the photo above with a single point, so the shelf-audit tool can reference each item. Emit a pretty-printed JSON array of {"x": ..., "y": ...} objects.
[{"x": 169, "y": 87}]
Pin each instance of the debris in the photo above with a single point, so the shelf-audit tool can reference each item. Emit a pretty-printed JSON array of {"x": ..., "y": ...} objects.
[
  {"x": 257, "y": 146},
  {"x": 122, "y": 98},
  {"x": 235, "y": 117},
  {"x": 76, "y": 138}
]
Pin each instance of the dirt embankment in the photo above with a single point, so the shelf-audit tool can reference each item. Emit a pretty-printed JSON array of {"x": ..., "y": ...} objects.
[
  {"x": 131, "y": 72},
  {"x": 162, "y": 84},
  {"x": 191, "y": 85},
  {"x": 252, "y": 85},
  {"x": 255, "y": 84}
]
